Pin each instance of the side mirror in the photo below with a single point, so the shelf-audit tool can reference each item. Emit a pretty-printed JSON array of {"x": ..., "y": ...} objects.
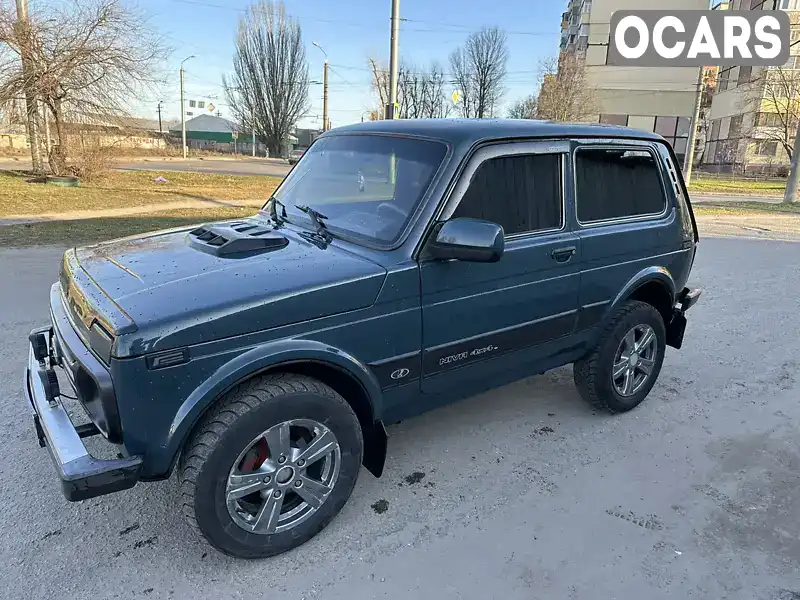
[{"x": 470, "y": 240}]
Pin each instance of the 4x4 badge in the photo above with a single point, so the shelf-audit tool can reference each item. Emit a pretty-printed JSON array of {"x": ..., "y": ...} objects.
[{"x": 400, "y": 373}]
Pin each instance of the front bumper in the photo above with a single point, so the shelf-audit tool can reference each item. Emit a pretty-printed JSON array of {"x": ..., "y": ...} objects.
[
  {"x": 676, "y": 328},
  {"x": 82, "y": 476}
]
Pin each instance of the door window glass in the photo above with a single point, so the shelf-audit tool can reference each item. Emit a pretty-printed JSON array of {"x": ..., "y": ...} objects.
[
  {"x": 520, "y": 193},
  {"x": 617, "y": 183}
]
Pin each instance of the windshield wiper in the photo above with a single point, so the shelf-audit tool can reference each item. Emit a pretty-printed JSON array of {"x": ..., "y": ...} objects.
[
  {"x": 317, "y": 218},
  {"x": 273, "y": 211}
]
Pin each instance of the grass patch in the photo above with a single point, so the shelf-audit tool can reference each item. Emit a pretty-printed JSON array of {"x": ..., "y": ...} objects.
[
  {"x": 705, "y": 184},
  {"x": 122, "y": 189},
  {"x": 89, "y": 231},
  {"x": 744, "y": 208}
]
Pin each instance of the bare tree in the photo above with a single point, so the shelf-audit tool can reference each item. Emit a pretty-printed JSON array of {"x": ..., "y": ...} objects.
[
  {"x": 524, "y": 108},
  {"x": 88, "y": 60},
  {"x": 564, "y": 93},
  {"x": 269, "y": 85},
  {"x": 420, "y": 91},
  {"x": 773, "y": 98},
  {"x": 479, "y": 69}
]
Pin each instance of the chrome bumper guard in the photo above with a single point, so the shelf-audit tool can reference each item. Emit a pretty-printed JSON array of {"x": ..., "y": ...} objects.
[{"x": 82, "y": 476}]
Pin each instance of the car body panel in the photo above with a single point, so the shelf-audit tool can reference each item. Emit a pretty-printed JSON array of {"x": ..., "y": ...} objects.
[
  {"x": 178, "y": 296},
  {"x": 391, "y": 319}
]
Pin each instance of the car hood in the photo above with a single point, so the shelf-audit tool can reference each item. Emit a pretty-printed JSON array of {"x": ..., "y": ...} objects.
[{"x": 178, "y": 293}]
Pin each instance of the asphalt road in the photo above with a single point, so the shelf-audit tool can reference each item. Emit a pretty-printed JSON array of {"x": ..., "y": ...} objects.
[{"x": 522, "y": 493}]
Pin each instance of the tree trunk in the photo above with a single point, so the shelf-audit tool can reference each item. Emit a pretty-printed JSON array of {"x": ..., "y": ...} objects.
[{"x": 58, "y": 155}]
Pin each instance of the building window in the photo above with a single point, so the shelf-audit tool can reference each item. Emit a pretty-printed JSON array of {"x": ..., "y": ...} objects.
[
  {"x": 766, "y": 148},
  {"x": 675, "y": 130},
  {"x": 787, "y": 4},
  {"x": 735, "y": 127},
  {"x": 744, "y": 75},
  {"x": 201, "y": 104},
  {"x": 715, "y": 126},
  {"x": 520, "y": 193},
  {"x": 192, "y": 103},
  {"x": 768, "y": 120},
  {"x": 724, "y": 79},
  {"x": 666, "y": 126},
  {"x": 620, "y": 120},
  {"x": 618, "y": 183}
]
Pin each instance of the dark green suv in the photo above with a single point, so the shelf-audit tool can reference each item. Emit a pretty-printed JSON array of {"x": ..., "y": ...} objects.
[{"x": 401, "y": 265}]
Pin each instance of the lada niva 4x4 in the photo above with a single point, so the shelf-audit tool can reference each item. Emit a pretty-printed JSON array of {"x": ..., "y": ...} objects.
[{"x": 399, "y": 266}]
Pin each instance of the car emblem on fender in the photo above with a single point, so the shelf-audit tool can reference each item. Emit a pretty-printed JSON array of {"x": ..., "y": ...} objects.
[{"x": 400, "y": 373}]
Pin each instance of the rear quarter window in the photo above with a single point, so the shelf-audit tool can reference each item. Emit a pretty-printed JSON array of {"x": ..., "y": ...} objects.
[{"x": 617, "y": 183}]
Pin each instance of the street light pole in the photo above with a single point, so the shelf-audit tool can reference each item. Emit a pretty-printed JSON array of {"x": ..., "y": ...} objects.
[
  {"x": 393, "y": 60},
  {"x": 324, "y": 89},
  {"x": 183, "y": 110}
]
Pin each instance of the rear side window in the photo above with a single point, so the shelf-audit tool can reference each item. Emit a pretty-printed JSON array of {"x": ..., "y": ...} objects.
[
  {"x": 617, "y": 184},
  {"x": 521, "y": 193}
]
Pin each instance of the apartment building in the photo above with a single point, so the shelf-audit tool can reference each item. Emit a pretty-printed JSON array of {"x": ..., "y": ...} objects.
[
  {"x": 654, "y": 99},
  {"x": 754, "y": 111}
]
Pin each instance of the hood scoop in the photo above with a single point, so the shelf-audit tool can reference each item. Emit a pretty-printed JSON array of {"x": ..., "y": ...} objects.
[{"x": 236, "y": 239}]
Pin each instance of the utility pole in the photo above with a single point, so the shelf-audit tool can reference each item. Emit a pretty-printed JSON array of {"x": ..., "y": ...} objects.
[
  {"x": 24, "y": 33},
  {"x": 393, "y": 60},
  {"x": 325, "y": 96},
  {"x": 790, "y": 195},
  {"x": 325, "y": 125},
  {"x": 254, "y": 137},
  {"x": 689, "y": 160},
  {"x": 183, "y": 111},
  {"x": 160, "y": 126}
]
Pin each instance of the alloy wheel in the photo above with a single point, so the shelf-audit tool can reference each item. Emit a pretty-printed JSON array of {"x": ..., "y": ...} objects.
[
  {"x": 283, "y": 476},
  {"x": 635, "y": 360}
]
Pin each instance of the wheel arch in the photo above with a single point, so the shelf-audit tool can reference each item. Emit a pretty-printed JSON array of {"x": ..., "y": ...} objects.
[
  {"x": 653, "y": 285},
  {"x": 334, "y": 367}
]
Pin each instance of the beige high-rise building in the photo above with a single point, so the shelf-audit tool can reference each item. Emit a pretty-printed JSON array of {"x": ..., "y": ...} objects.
[
  {"x": 654, "y": 99},
  {"x": 750, "y": 122}
]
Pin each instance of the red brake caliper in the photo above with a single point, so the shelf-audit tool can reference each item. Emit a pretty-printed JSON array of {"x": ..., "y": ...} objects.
[{"x": 256, "y": 457}]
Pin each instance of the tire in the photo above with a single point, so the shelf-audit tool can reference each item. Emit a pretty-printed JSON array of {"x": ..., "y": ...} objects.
[
  {"x": 593, "y": 374},
  {"x": 209, "y": 462}
]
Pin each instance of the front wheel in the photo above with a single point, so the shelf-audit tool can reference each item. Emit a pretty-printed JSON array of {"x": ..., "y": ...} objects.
[
  {"x": 271, "y": 466},
  {"x": 621, "y": 370}
]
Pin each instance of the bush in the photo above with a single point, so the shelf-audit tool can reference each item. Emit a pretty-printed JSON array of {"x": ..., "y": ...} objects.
[{"x": 89, "y": 158}]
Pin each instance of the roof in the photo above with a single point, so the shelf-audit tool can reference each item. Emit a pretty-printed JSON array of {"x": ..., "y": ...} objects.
[
  {"x": 457, "y": 131},
  {"x": 208, "y": 124}
]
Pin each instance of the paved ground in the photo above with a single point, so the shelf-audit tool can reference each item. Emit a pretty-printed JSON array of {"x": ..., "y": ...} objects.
[
  {"x": 526, "y": 493},
  {"x": 245, "y": 166}
]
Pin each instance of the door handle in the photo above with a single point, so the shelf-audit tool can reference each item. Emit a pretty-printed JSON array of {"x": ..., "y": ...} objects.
[{"x": 563, "y": 254}]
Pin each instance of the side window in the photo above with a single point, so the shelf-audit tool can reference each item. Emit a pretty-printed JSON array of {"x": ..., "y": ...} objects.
[
  {"x": 616, "y": 184},
  {"x": 521, "y": 193}
]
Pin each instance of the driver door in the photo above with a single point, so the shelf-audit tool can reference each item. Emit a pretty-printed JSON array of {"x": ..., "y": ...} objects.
[{"x": 482, "y": 322}]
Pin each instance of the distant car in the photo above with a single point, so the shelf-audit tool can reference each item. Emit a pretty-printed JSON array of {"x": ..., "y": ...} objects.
[
  {"x": 261, "y": 357},
  {"x": 295, "y": 155}
]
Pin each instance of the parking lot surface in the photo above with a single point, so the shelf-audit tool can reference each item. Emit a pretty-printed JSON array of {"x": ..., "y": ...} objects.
[{"x": 520, "y": 493}]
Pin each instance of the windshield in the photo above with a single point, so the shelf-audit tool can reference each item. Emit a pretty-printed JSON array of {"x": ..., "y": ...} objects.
[{"x": 365, "y": 186}]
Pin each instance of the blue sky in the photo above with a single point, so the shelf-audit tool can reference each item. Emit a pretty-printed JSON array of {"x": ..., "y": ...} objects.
[{"x": 351, "y": 31}]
